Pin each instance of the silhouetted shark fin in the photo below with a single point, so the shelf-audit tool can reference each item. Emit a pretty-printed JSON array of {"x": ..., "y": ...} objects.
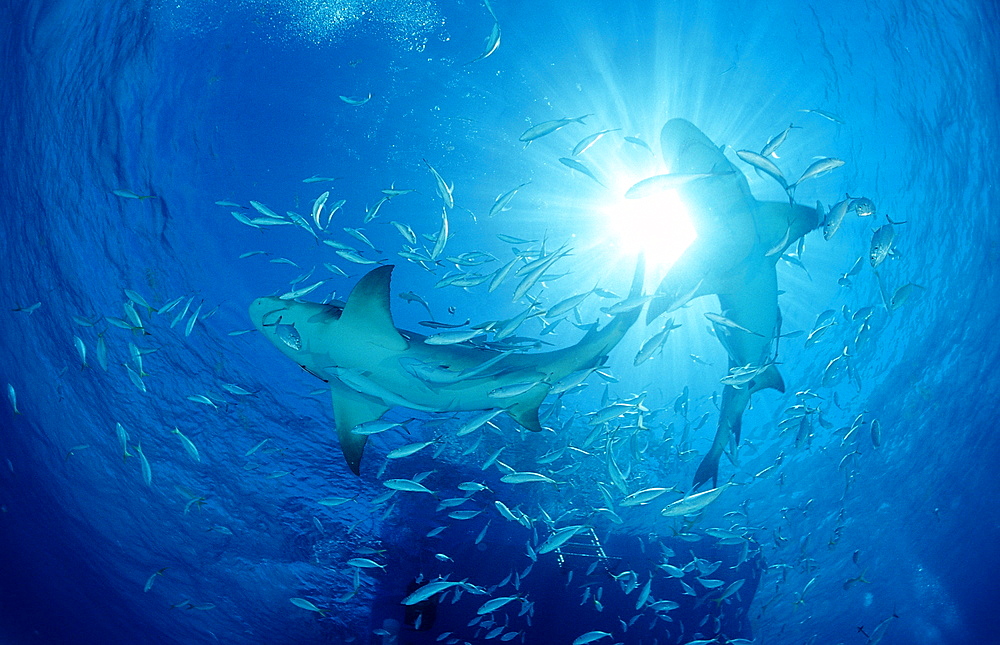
[
  {"x": 367, "y": 309},
  {"x": 769, "y": 378},
  {"x": 780, "y": 225},
  {"x": 708, "y": 469},
  {"x": 525, "y": 411},
  {"x": 351, "y": 409}
]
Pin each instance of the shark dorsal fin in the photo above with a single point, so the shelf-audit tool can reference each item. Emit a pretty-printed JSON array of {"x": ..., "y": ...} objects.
[{"x": 367, "y": 309}]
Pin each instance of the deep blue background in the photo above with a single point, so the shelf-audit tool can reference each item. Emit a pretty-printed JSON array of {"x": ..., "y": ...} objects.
[{"x": 238, "y": 101}]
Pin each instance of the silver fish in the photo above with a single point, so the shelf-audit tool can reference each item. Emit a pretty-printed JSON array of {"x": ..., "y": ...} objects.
[
  {"x": 763, "y": 164},
  {"x": 660, "y": 183},
  {"x": 548, "y": 127},
  {"x": 817, "y": 168},
  {"x": 590, "y": 140},
  {"x": 573, "y": 164}
]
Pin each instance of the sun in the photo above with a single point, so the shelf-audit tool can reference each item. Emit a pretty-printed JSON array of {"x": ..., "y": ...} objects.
[{"x": 657, "y": 226}]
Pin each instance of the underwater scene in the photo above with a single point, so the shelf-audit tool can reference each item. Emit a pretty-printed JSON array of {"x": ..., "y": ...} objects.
[{"x": 406, "y": 322}]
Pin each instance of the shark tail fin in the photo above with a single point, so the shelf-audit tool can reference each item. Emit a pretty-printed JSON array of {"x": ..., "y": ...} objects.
[{"x": 769, "y": 378}]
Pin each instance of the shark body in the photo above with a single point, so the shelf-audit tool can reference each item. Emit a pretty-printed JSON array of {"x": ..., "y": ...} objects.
[
  {"x": 739, "y": 243},
  {"x": 372, "y": 366}
]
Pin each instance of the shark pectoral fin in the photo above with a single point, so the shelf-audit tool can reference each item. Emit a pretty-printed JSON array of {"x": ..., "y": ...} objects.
[
  {"x": 683, "y": 283},
  {"x": 769, "y": 378},
  {"x": 780, "y": 225},
  {"x": 367, "y": 310},
  {"x": 707, "y": 469},
  {"x": 525, "y": 410},
  {"x": 351, "y": 409}
]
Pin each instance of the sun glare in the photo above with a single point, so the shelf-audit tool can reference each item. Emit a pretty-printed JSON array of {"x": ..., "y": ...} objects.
[{"x": 657, "y": 225}]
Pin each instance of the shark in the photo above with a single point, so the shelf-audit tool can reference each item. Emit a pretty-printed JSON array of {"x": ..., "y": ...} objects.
[
  {"x": 734, "y": 257},
  {"x": 372, "y": 366}
]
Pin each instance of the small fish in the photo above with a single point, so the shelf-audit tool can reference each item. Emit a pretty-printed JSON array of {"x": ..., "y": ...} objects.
[
  {"x": 408, "y": 450},
  {"x": 864, "y": 207},
  {"x": 726, "y": 322},
  {"x": 256, "y": 448},
  {"x": 639, "y": 142},
  {"x": 354, "y": 256},
  {"x": 495, "y": 603},
  {"x": 881, "y": 245},
  {"x": 81, "y": 350},
  {"x": 826, "y": 115},
  {"x": 579, "y": 167},
  {"x": 29, "y": 309},
  {"x": 836, "y": 217},
  {"x": 525, "y": 478},
  {"x": 356, "y": 100},
  {"x": 876, "y": 433},
  {"x": 264, "y": 210},
  {"x": 333, "y": 502},
  {"x": 770, "y": 149},
  {"x": 444, "y": 191},
  {"x": 194, "y": 318},
  {"x": 305, "y": 604},
  {"x": 365, "y": 563},
  {"x": 548, "y": 127},
  {"x": 763, "y": 164},
  {"x": 693, "y": 503},
  {"x": 406, "y": 485},
  {"x": 515, "y": 389},
  {"x": 491, "y": 44},
  {"x": 405, "y": 231},
  {"x": 315, "y": 179},
  {"x": 452, "y": 337},
  {"x": 317, "y": 208},
  {"x": 152, "y": 579},
  {"x": 591, "y": 637},
  {"x": 12, "y": 397},
  {"x": 374, "y": 427},
  {"x": 189, "y": 447},
  {"x": 128, "y": 194},
  {"x": 903, "y": 294},
  {"x": 502, "y": 202},
  {"x": 643, "y": 496},
  {"x": 147, "y": 472},
  {"x": 659, "y": 183},
  {"x": 101, "y": 351},
  {"x": 589, "y": 140},
  {"x": 442, "y": 236},
  {"x": 817, "y": 168},
  {"x": 558, "y": 538}
]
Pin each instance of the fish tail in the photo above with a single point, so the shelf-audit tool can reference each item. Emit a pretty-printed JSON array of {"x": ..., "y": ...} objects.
[{"x": 708, "y": 469}]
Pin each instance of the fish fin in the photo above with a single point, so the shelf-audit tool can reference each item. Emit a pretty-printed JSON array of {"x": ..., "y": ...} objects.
[
  {"x": 707, "y": 469},
  {"x": 777, "y": 220},
  {"x": 769, "y": 378},
  {"x": 367, "y": 309},
  {"x": 350, "y": 409},
  {"x": 525, "y": 411}
]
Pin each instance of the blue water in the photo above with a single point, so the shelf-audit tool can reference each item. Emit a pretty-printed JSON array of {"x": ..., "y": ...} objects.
[{"x": 198, "y": 102}]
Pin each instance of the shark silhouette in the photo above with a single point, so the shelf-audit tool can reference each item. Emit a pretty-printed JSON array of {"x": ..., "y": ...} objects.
[
  {"x": 372, "y": 366},
  {"x": 739, "y": 242}
]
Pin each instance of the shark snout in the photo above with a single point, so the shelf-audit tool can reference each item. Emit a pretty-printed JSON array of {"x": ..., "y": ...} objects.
[{"x": 262, "y": 308}]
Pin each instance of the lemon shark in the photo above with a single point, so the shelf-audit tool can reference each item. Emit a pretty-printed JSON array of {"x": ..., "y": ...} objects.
[
  {"x": 372, "y": 366},
  {"x": 739, "y": 243}
]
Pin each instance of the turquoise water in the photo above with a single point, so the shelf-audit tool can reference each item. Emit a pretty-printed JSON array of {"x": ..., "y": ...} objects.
[{"x": 195, "y": 103}]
